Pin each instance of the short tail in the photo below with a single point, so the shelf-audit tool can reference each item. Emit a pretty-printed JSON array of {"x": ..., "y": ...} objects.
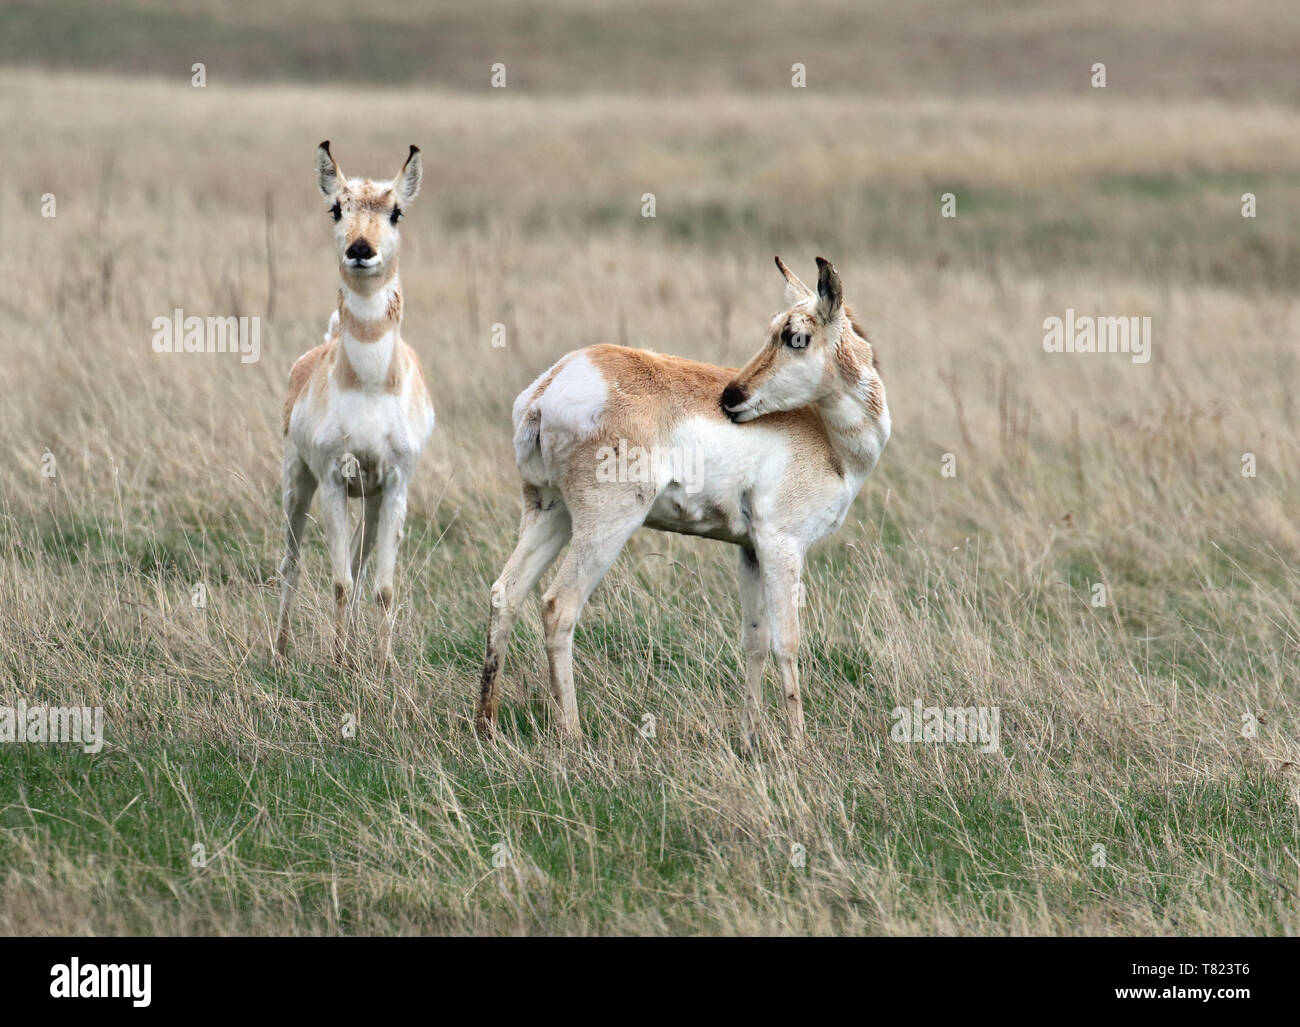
[{"x": 528, "y": 436}]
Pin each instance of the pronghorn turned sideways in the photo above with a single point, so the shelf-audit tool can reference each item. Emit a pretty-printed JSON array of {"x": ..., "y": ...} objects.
[
  {"x": 358, "y": 412},
  {"x": 781, "y": 446}
]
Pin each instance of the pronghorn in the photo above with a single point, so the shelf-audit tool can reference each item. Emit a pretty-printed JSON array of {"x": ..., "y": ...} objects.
[
  {"x": 783, "y": 445},
  {"x": 358, "y": 412}
]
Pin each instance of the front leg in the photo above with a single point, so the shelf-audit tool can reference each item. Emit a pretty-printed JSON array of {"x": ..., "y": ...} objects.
[
  {"x": 755, "y": 639},
  {"x": 334, "y": 518},
  {"x": 299, "y": 487},
  {"x": 388, "y": 532},
  {"x": 781, "y": 564}
]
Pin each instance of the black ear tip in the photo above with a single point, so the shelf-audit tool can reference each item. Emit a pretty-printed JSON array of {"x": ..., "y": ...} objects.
[
  {"x": 822, "y": 262},
  {"x": 325, "y": 146},
  {"x": 414, "y": 150},
  {"x": 778, "y": 260}
]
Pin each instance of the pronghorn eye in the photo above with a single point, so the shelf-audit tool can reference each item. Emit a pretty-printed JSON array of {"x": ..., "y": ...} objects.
[
  {"x": 337, "y": 211},
  {"x": 793, "y": 339},
  {"x": 397, "y": 213}
]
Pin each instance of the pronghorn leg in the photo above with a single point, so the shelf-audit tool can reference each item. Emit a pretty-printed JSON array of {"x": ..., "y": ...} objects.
[
  {"x": 334, "y": 518},
  {"x": 600, "y": 530},
  {"x": 755, "y": 638},
  {"x": 299, "y": 487},
  {"x": 781, "y": 564},
  {"x": 363, "y": 539},
  {"x": 392, "y": 516},
  {"x": 543, "y": 530}
]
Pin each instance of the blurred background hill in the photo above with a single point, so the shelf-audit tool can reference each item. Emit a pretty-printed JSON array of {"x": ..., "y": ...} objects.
[{"x": 1160, "y": 48}]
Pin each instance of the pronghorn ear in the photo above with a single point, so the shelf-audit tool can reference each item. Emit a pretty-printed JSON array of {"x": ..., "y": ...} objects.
[
  {"x": 830, "y": 294},
  {"x": 407, "y": 182},
  {"x": 329, "y": 178},
  {"x": 795, "y": 290}
]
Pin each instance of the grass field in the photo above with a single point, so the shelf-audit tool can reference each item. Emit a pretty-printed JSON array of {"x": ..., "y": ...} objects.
[{"x": 1121, "y": 725}]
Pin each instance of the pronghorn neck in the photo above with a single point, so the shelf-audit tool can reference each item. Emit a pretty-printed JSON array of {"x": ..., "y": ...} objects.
[
  {"x": 854, "y": 412},
  {"x": 369, "y": 326}
]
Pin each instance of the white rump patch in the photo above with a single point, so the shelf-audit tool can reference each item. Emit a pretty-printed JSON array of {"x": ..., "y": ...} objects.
[{"x": 568, "y": 411}]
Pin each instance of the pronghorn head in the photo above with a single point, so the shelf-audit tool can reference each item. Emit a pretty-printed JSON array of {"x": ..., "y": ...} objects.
[
  {"x": 798, "y": 363},
  {"x": 366, "y": 213}
]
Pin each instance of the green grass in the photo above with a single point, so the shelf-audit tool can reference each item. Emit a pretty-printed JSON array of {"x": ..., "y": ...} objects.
[
  {"x": 393, "y": 830},
  {"x": 262, "y": 813}
]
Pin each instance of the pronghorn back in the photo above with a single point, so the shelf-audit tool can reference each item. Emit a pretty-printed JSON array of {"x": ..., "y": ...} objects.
[{"x": 604, "y": 393}]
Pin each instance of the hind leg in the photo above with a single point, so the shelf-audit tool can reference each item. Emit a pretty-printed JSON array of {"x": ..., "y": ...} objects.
[
  {"x": 604, "y": 518},
  {"x": 543, "y": 530},
  {"x": 363, "y": 538}
]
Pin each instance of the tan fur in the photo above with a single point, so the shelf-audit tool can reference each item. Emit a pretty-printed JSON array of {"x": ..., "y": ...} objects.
[
  {"x": 652, "y": 392},
  {"x": 418, "y": 395},
  {"x": 368, "y": 330},
  {"x": 300, "y": 374},
  {"x": 656, "y": 388},
  {"x": 851, "y": 317}
]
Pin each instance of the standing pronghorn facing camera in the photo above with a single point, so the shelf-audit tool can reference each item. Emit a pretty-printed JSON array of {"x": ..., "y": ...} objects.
[
  {"x": 781, "y": 447},
  {"x": 358, "y": 412}
]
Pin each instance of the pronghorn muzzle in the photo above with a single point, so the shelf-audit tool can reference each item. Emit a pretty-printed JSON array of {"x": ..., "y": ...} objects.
[
  {"x": 361, "y": 255},
  {"x": 360, "y": 250},
  {"x": 733, "y": 397}
]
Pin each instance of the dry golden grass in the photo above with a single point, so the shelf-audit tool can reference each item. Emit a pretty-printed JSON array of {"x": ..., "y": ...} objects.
[{"x": 1121, "y": 726}]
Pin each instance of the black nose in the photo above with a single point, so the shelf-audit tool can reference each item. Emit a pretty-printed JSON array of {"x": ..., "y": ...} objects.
[
  {"x": 360, "y": 250},
  {"x": 732, "y": 396}
]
